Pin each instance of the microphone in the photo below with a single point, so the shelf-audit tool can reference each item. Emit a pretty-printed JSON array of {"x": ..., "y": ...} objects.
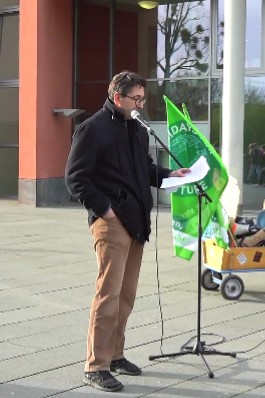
[{"x": 136, "y": 115}]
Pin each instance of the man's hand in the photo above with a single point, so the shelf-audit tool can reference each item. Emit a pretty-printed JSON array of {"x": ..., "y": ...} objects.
[{"x": 179, "y": 172}]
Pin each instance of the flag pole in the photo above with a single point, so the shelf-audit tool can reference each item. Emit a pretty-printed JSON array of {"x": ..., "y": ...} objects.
[{"x": 200, "y": 348}]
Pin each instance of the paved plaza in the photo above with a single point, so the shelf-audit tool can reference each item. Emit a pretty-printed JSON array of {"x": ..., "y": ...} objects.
[{"x": 48, "y": 271}]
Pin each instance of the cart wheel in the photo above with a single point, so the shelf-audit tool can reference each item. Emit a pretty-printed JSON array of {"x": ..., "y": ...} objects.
[
  {"x": 217, "y": 275},
  {"x": 232, "y": 287},
  {"x": 207, "y": 280}
]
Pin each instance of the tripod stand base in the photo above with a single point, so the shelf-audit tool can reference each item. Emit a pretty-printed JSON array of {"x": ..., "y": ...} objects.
[{"x": 198, "y": 349}]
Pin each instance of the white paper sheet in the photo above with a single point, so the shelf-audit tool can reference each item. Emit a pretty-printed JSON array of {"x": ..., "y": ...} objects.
[{"x": 199, "y": 169}]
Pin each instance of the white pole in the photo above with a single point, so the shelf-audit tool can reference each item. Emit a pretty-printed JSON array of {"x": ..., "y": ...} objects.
[{"x": 233, "y": 90}]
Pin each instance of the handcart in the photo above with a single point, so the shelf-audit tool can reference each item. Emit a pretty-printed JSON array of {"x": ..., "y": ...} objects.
[{"x": 219, "y": 262}]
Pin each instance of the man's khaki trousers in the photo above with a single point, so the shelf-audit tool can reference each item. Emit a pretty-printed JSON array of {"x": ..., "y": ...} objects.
[{"x": 119, "y": 259}]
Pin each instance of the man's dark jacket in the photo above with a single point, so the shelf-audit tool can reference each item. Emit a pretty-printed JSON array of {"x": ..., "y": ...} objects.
[{"x": 109, "y": 166}]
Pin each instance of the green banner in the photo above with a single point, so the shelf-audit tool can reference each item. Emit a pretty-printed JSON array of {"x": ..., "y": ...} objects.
[
  {"x": 187, "y": 143},
  {"x": 218, "y": 227}
]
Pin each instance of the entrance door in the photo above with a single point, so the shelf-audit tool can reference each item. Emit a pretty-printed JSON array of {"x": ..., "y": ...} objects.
[{"x": 9, "y": 22}]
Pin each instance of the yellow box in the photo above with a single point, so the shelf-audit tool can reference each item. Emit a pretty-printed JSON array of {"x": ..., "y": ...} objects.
[{"x": 234, "y": 258}]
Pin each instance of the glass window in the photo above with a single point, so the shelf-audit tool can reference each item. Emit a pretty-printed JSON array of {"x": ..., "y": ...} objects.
[
  {"x": 104, "y": 52},
  {"x": 183, "y": 41},
  {"x": 253, "y": 51},
  {"x": 168, "y": 41},
  {"x": 8, "y": 142},
  {"x": 9, "y": 47},
  {"x": 9, "y": 116},
  {"x": 193, "y": 93},
  {"x": 254, "y": 120},
  {"x": 253, "y": 54},
  {"x": 8, "y": 3},
  {"x": 92, "y": 42},
  {"x": 254, "y": 110},
  {"x": 220, "y": 35},
  {"x": 100, "y": 51},
  {"x": 91, "y": 96},
  {"x": 216, "y": 113},
  {"x": 8, "y": 171}
]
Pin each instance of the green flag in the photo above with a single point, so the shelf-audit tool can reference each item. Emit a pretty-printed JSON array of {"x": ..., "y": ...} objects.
[
  {"x": 218, "y": 227},
  {"x": 187, "y": 143}
]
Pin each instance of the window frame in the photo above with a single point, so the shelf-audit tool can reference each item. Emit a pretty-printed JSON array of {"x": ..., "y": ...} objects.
[
  {"x": 8, "y": 11},
  {"x": 215, "y": 72}
]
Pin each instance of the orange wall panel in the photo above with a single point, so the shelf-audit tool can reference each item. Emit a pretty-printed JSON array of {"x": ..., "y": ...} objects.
[
  {"x": 55, "y": 69},
  {"x": 46, "y": 65},
  {"x": 27, "y": 89}
]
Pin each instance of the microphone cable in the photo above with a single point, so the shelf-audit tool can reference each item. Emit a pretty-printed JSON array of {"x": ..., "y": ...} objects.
[{"x": 156, "y": 252}]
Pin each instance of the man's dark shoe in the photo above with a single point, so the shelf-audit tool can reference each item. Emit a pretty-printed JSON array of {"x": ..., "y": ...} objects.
[
  {"x": 102, "y": 380},
  {"x": 124, "y": 367}
]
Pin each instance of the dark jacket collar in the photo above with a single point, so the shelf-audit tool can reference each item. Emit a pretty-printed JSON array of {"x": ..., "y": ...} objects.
[
  {"x": 110, "y": 107},
  {"x": 116, "y": 115}
]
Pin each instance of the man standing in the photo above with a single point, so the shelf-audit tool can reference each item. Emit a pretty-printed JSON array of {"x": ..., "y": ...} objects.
[
  {"x": 110, "y": 172},
  {"x": 255, "y": 170}
]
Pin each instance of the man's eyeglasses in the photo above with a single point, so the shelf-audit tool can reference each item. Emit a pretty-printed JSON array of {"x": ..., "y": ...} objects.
[{"x": 138, "y": 101}]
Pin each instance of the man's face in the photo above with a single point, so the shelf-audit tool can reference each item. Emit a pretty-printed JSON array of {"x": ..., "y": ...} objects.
[{"x": 134, "y": 100}]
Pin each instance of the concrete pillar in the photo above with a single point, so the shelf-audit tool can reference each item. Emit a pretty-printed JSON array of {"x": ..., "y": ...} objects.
[
  {"x": 45, "y": 78},
  {"x": 233, "y": 90}
]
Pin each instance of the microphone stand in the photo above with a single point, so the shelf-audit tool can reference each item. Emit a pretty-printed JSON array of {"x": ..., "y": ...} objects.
[{"x": 199, "y": 348}]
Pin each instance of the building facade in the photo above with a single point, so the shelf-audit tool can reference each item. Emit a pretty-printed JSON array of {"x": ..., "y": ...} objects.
[{"x": 57, "y": 57}]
